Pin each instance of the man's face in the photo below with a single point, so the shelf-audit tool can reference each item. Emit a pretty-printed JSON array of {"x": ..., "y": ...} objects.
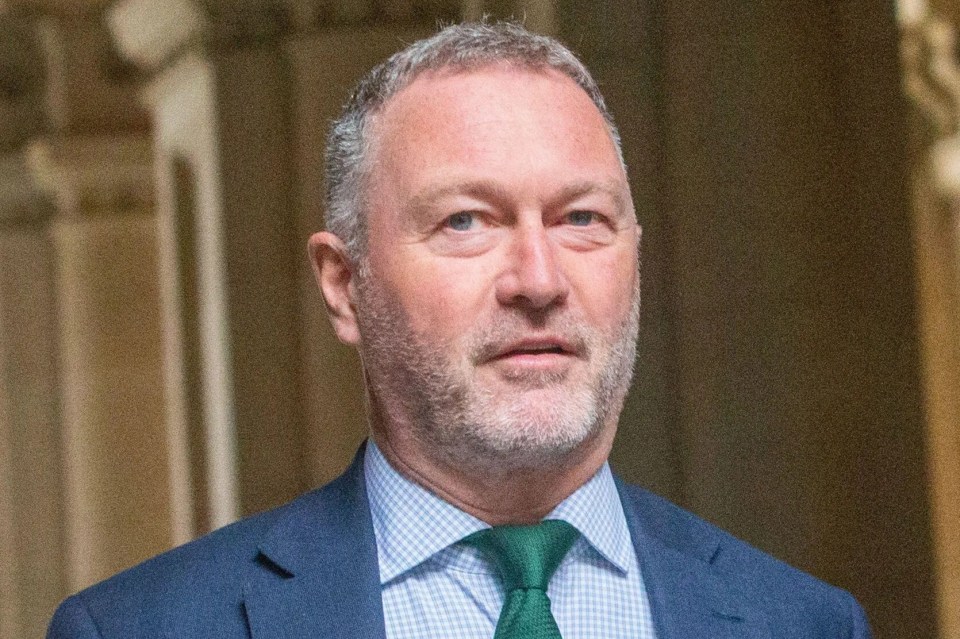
[{"x": 498, "y": 303}]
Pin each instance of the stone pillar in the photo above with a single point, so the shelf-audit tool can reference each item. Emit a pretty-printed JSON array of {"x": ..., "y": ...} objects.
[
  {"x": 96, "y": 166},
  {"x": 115, "y": 468},
  {"x": 932, "y": 80},
  {"x": 32, "y": 543},
  {"x": 218, "y": 96}
]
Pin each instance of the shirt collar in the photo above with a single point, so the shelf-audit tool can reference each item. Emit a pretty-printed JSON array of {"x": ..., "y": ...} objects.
[
  {"x": 411, "y": 524},
  {"x": 595, "y": 510}
]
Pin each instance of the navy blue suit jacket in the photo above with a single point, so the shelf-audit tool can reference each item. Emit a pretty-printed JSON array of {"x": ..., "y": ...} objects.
[{"x": 308, "y": 570}]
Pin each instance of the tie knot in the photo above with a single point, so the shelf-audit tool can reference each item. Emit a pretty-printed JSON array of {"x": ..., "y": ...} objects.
[{"x": 525, "y": 556}]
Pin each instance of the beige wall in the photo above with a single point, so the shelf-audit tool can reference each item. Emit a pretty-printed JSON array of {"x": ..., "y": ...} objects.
[
  {"x": 32, "y": 524},
  {"x": 115, "y": 470}
]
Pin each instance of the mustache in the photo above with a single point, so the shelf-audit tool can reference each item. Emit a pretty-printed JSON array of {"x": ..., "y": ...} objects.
[{"x": 576, "y": 336}]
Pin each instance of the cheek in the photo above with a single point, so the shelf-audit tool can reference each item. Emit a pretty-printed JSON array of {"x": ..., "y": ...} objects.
[
  {"x": 441, "y": 297},
  {"x": 605, "y": 288}
]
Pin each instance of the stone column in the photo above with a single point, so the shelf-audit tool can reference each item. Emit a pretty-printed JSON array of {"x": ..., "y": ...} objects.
[
  {"x": 115, "y": 468},
  {"x": 932, "y": 80},
  {"x": 262, "y": 400},
  {"x": 32, "y": 548},
  {"x": 218, "y": 96},
  {"x": 96, "y": 165},
  {"x": 32, "y": 543}
]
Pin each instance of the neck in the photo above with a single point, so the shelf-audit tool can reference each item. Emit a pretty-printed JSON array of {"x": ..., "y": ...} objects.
[{"x": 510, "y": 497}]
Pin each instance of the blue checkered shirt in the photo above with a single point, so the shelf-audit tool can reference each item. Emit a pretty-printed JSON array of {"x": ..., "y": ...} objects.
[{"x": 434, "y": 587}]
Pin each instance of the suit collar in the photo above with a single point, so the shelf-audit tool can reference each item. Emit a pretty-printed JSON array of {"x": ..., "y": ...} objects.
[
  {"x": 688, "y": 594},
  {"x": 322, "y": 578}
]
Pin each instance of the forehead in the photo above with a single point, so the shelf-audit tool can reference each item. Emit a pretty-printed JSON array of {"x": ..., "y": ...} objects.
[{"x": 472, "y": 116}]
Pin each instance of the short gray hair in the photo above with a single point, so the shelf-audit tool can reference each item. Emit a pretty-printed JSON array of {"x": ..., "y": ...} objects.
[{"x": 460, "y": 47}]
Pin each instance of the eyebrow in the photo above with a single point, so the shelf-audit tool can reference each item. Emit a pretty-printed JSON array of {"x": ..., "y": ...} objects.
[
  {"x": 480, "y": 189},
  {"x": 612, "y": 189},
  {"x": 493, "y": 192}
]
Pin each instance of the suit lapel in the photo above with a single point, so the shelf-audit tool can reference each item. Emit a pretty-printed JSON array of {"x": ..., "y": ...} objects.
[
  {"x": 322, "y": 578},
  {"x": 688, "y": 597}
]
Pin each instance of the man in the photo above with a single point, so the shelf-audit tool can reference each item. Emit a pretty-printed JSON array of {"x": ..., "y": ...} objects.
[{"x": 481, "y": 254}]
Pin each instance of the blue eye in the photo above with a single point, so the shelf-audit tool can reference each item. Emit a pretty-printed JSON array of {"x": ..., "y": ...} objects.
[
  {"x": 581, "y": 218},
  {"x": 460, "y": 221}
]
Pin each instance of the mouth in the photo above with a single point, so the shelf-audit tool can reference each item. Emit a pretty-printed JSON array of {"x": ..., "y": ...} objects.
[{"x": 534, "y": 349}]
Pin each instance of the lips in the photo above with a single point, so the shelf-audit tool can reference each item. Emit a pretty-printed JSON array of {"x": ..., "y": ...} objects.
[{"x": 549, "y": 345}]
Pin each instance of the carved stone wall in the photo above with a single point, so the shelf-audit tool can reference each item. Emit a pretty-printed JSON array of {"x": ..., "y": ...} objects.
[
  {"x": 932, "y": 80},
  {"x": 84, "y": 479}
]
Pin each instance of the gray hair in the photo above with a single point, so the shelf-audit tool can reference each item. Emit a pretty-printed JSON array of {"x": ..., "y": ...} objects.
[{"x": 461, "y": 47}]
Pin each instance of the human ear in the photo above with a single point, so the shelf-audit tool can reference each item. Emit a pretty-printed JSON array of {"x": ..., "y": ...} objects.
[{"x": 334, "y": 274}]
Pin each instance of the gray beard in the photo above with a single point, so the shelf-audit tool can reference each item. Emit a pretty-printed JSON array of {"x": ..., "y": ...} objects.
[{"x": 463, "y": 424}]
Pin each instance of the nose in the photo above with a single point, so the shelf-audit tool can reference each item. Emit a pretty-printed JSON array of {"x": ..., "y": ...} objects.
[{"x": 532, "y": 278}]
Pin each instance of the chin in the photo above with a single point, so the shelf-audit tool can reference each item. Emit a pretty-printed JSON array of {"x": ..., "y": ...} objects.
[{"x": 530, "y": 432}]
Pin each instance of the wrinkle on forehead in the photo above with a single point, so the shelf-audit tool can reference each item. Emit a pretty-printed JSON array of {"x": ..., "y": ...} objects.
[{"x": 403, "y": 113}]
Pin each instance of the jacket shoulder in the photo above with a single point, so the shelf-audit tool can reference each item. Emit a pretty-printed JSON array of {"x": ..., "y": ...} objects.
[
  {"x": 197, "y": 589},
  {"x": 794, "y": 601},
  {"x": 192, "y": 590},
  {"x": 202, "y": 579}
]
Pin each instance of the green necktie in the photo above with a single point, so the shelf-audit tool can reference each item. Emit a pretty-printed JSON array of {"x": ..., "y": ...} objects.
[{"x": 526, "y": 557}]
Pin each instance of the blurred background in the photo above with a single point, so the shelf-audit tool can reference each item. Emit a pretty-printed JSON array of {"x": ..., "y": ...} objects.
[{"x": 166, "y": 366}]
